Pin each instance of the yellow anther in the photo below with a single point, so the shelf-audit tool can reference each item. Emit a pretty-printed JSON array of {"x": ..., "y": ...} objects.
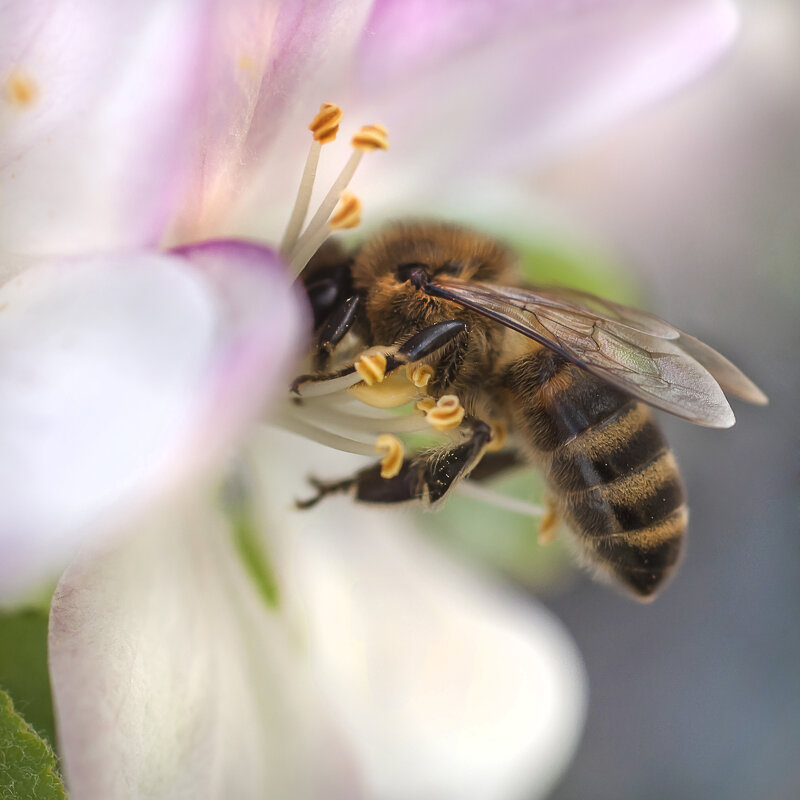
[
  {"x": 348, "y": 213},
  {"x": 447, "y": 414},
  {"x": 394, "y": 391},
  {"x": 371, "y": 137},
  {"x": 371, "y": 367},
  {"x": 499, "y": 436},
  {"x": 393, "y": 460},
  {"x": 419, "y": 374},
  {"x": 325, "y": 125},
  {"x": 425, "y": 405}
]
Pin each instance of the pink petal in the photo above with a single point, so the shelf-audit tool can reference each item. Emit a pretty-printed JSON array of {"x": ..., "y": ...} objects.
[
  {"x": 98, "y": 102},
  {"x": 474, "y": 86},
  {"x": 271, "y": 65},
  {"x": 122, "y": 377}
]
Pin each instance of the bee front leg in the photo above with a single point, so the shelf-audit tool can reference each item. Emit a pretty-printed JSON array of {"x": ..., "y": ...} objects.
[
  {"x": 428, "y": 477},
  {"x": 335, "y": 328},
  {"x": 421, "y": 344}
]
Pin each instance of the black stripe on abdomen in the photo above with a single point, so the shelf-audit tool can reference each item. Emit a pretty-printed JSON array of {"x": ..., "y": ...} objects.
[
  {"x": 574, "y": 468},
  {"x": 559, "y": 400}
]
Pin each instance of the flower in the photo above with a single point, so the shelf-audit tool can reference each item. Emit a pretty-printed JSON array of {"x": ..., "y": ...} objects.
[{"x": 136, "y": 360}]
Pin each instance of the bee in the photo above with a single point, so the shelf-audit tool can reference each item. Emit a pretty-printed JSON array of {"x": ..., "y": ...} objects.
[{"x": 570, "y": 376}]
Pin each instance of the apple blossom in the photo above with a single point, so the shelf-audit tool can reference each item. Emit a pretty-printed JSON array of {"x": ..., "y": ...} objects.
[{"x": 136, "y": 363}]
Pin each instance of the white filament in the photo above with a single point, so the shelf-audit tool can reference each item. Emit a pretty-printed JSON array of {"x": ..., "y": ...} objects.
[
  {"x": 317, "y": 230},
  {"x": 476, "y": 491},
  {"x": 302, "y": 200}
]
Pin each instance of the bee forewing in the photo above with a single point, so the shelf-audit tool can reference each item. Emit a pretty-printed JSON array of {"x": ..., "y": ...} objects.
[
  {"x": 601, "y": 309},
  {"x": 652, "y": 367},
  {"x": 654, "y": 370},
  {"x": 728, "y": 375}
]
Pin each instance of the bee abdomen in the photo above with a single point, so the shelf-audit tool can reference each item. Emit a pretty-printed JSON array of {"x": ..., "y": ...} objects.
[
  {"x": 633, "y": 524},
  {"x": 613, "y": 476}
]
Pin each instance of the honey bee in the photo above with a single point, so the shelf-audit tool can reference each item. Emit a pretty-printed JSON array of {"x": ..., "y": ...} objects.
[{"x": 568, "y": 375}]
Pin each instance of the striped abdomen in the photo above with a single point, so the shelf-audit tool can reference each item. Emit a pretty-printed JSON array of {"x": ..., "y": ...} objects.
[{"x": 613, "y": 476}]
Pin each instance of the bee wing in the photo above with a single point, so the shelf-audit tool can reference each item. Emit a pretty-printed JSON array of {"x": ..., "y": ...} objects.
[
  {"x": 585, "y": 303},
  {"x": 728, "y": 375},
  {"x": 631, "y": 350}
]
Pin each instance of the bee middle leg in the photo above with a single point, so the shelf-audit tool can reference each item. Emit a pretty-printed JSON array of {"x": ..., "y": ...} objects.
[{"x": 427, "y": 477}]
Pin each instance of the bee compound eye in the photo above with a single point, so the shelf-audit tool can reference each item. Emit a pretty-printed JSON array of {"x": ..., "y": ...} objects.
[{"x": 413, "y": 271}]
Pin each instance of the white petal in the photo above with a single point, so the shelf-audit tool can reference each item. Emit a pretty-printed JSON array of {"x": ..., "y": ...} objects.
[
  {"x": 98, "y": 106},
  {"x": 120, "y": 378},
  {"x": 173, "y": 681},
  {"x": 447, "y": 685},
  {"x": 386, "y": 673}
]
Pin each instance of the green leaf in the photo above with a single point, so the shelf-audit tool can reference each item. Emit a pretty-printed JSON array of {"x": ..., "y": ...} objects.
[
  {"x": 23, "y": 667},
  {"x": 27, "y": 765}
]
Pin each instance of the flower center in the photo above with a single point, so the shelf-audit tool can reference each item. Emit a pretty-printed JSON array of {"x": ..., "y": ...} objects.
[{"x": 377, "y": 394}]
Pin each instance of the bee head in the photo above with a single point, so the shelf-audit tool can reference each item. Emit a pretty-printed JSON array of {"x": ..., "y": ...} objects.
[{"x": 414, "y": 252}]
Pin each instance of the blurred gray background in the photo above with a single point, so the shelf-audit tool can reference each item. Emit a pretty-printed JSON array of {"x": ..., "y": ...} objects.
[{"x": 698, "y": 695}]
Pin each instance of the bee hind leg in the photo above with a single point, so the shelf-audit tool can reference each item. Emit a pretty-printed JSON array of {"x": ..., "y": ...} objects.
[{"x": 427, "y": 477}]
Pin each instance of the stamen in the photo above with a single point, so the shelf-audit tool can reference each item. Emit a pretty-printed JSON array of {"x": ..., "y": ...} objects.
[
  {"x": 348, "y": 214},
  {"x": 393, "y": 460},
  {"x": 425, "y": 405},
  {"x": 313, "y": 388},
  {"x": 308, "y": 431},
  {"x": 392, "y": 423},
  {"x": 324, "y": 128},
  {"x": 325, "y": 125},
  {"x": 478, "y": 492},
  {"x": 370, "y": 137},
  {"x": 419, "y": 374},
  {"x": 371, "y": 367},
  {"x": 447, "y": 414}
]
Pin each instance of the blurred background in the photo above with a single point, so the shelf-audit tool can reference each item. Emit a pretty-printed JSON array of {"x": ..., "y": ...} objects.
[{"x": 698, "y": 695}]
